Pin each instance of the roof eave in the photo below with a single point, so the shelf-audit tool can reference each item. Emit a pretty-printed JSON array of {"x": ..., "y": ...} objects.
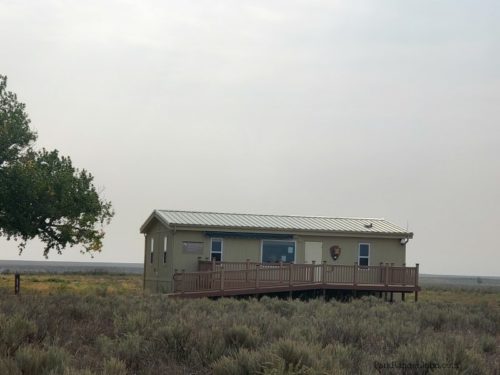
[
  {"x": 154, "y": 215},
  {"x": 296, "y": 231}
]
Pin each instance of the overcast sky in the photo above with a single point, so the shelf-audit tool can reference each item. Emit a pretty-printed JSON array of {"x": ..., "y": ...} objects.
[{"x": 337, "y": 108}]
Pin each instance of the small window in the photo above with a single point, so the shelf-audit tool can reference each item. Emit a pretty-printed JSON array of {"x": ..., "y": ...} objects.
[
  {"x": 152, "y": 249},
  {"x": 216, "y": 249},
  {"x": 165, "y": 250},
  {"x": 192, "y": 247},
  {"x": 364, "y": 254}
]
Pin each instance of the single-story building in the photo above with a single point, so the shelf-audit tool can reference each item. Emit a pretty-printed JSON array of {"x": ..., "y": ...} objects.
[{"x": 177, "y": 241}]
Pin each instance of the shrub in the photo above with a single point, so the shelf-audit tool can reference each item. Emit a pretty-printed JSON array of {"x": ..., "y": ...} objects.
[
  {"x": 488, "y": 343},
  {"x": 114, "y": 366},
  {"x": 35, "y": 361},
  {"x": 175, "y": 339},
  {"x": 243, "y": 362},
  {"x": 8, "y": 366},
  {"x": 141, "y": 334},
  {"x": 295, "y": 355},
  {"x": 15, "y": 331},
  {"x": 240, "y": 336}
]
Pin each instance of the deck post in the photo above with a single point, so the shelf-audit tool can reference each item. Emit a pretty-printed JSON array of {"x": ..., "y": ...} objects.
[
  {"x": 257, "y": 268},
  {"x": 281, "y": 272},
  {"x": 313, "y": 270},
  {"x": 386, "y": 282},
  {"x": 416, "y": 282},
  {"x": 381, "y": 265},
  {"x": 391, "y": 274},
  {"x": 290, "y": 274},
  {"x": 355, "y": 274},
  {"x": 404, "y": 276},
  {"x": 213, "y": 264},
  {"x": 402, "y": 296},
  {"x": 183, "y": 287},
  {"x": 323, "y": 272},
  {"x": 416, "y": 275},
  {"x": 221, "y": 277},
  {"x": 247, "y": 269}
]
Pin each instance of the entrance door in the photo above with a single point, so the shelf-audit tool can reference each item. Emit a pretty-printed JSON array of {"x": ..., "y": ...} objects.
[{"x": 314, "y": 252}]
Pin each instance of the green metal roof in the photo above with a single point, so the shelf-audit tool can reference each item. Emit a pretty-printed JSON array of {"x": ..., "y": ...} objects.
[{"x": 212, "y": 220}]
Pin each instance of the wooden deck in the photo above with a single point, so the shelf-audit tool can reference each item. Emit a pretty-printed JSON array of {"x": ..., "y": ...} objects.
[{"x": 216, "y": 279}]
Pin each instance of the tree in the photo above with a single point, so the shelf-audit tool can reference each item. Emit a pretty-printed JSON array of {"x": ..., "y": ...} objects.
[{"x": 41, "y": 193}]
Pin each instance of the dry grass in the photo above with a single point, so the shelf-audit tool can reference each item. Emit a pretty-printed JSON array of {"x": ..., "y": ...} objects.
[
  {"x": 74, "y": 283},
  {"x": 105, "y": 325}
]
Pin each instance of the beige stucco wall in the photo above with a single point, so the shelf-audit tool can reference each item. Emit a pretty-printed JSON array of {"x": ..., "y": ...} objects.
[
  {"x": 382, "y": 250},
  {"x": 158, "y": 276}
]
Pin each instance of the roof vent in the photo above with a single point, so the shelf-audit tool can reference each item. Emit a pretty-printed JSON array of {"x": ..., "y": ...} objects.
[{"x": 369, "y": 225}]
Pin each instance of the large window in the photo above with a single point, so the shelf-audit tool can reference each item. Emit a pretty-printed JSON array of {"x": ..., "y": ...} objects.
[
  {"x": 274, "y": 251},
  {"x": 364, "y": 254},
  {"x": 216, "y": 249}
]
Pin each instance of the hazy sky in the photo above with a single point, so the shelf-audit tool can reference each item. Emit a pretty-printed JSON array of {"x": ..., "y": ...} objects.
[{"x": 338, "y": 108}]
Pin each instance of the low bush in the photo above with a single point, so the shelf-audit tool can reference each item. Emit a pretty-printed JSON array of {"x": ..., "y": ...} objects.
[{"x": 96, "y": 333}]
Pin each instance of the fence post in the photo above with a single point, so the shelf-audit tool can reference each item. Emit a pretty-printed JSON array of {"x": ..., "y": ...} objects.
[
  {"x": 221, "y": 277},
  {"x": 213, "y": 264},
  {"x": 257, "y": 268},
  {"x": 323, "y": 272},
  {"x": 17, "y": 283}
]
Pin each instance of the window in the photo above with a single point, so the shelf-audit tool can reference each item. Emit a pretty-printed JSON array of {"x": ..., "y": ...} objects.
[
  {"x": 192, "y": 247},
  {"x": 165, "y": 250},
  {"x": 216, "y": 249},
  {"x": 152, "y": 249},
  {"x": 278, "y": 251},
  {"x": 364, "y": 254}
]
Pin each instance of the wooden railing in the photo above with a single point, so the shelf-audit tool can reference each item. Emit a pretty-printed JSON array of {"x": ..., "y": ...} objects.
[{"x": 251, "y": 275}]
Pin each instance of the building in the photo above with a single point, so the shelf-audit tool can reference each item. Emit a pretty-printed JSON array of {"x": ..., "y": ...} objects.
[{"x": 186, "y": 243}]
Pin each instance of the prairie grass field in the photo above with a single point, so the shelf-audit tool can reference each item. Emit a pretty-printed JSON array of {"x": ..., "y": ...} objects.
[{"x": 104, "y": 324}]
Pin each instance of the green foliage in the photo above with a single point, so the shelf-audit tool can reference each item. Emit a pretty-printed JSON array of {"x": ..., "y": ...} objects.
[
  {"x": 15, "y": 133},
  {"x": 41, "y": 193}
]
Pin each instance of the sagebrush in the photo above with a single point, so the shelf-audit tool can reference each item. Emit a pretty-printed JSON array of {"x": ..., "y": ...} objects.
[{"x": 117, "y": 333}]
